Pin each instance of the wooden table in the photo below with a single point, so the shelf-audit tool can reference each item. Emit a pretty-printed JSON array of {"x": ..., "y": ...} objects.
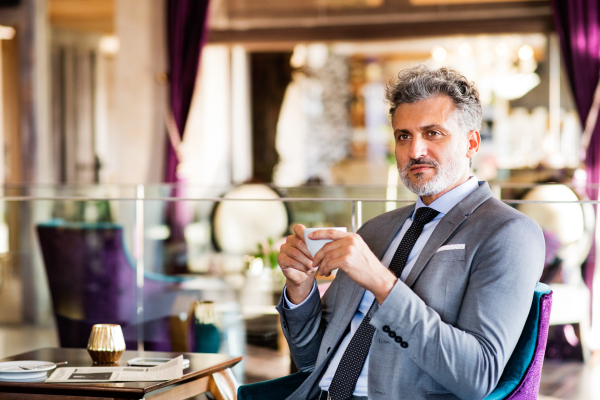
[{"x": 207, "y": 372}]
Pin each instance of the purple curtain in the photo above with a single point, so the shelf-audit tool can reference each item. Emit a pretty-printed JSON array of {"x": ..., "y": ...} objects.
[
  {"x": 186, "y": 31},
  {"x": 578, "y": 26}
]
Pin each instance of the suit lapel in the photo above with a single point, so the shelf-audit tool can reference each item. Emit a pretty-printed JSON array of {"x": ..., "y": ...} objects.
[
  {"x": 440, "y": 235},
  {"x": 380, "y": 242},
  {"x": 353, "y": 302},
  {"x": 446, "y": 227}
]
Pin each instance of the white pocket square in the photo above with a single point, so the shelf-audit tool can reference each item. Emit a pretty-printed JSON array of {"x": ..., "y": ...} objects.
[{"x": 451, "y": 247}]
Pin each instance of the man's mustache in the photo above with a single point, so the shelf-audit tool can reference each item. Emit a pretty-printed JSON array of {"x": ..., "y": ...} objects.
[{"x": 420, "y": 161}]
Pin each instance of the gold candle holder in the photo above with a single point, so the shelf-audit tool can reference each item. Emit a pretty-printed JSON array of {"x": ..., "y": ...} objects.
[{"x": 106, "y": 343}]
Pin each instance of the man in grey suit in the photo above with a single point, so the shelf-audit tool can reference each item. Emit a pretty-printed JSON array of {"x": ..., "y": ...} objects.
[{"x": 443, "y": 320}]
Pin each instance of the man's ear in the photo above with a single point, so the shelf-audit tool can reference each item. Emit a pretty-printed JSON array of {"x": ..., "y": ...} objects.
[{"x": 473, "y": 141}]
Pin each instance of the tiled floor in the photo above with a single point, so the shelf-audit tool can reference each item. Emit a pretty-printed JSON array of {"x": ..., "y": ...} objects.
[
  {"x": 560, "y": 380},
  {"x": 570, "y": 380},
  {"x": 263, "y": 364}
]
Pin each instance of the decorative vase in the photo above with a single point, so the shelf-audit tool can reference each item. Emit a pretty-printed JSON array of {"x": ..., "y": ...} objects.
[
  {"x": 207, "y": 338},
  {"x": 106, "y": 343}
]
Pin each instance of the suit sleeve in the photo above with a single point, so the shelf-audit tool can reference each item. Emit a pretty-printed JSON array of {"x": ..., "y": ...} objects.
[
  {"x": 468, "y": 359},
  {"x": 304, "y": 326}
]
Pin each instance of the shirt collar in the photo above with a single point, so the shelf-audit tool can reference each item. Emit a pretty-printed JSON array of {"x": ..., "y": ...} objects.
[{"x": 444, "y": 203}]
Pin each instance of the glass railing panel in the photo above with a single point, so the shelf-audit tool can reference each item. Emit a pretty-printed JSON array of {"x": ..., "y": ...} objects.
[
  {"x": 225, "y": 252},
  {"x": 67, "y": 267},
  {"x": 190, "y": 251}
]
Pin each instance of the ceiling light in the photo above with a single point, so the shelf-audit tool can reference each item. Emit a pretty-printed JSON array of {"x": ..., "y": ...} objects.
[
  {"x": 373, "y": 72},
  {"x": 525, "y": 52},
  {"x": 514, "y": 86},
  {"x": 7, "y": 32},
  {"x": 501, "y": 49},
  {"x": 464, "y": 49},
  {"x": 110, "y": 44},
  {"x": 439, "y": 54},
  {"x": 317, "y": 55},
  {"x": 299, "y": 56}
]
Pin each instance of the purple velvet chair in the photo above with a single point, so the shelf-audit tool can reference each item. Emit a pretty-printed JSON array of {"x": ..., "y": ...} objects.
[
  {"x": 92, "y": 280},
  {"x": 521, "y": 377}
]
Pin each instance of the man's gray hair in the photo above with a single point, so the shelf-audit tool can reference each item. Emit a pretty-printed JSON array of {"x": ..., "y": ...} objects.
[{"x": 421, "y": 83}]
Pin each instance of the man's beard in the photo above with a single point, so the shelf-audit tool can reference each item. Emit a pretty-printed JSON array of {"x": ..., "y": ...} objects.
[{"x": 445, "y": 176}]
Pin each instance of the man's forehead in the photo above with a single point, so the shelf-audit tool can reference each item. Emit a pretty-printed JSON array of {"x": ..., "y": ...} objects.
[{"x": 438, "y": 110}]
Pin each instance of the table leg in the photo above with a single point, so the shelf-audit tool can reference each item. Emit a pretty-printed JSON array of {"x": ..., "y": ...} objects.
[
  {"x": 183, "y": 391},
  {"x": 223, "y": 385}
]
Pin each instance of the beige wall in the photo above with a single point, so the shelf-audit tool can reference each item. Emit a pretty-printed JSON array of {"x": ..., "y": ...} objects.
[{"x": 136, "y": 137}]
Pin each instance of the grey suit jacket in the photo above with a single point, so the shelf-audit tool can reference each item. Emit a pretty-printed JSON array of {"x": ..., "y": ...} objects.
[{"x": 460, "y": 311}]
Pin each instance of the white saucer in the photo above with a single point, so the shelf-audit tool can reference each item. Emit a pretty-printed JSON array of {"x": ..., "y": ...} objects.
[{"x": 10, "y": 370}]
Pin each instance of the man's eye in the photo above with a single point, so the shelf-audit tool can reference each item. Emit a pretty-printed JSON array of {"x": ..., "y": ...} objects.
[
  {"x": 403, "y": 137},
  {"x": 433, "y": 133}
]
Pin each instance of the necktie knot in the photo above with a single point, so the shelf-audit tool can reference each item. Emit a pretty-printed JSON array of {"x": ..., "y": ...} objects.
[{"x": 425, "y": 215}]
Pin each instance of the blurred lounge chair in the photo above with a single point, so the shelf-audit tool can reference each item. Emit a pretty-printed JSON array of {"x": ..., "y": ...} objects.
[
  {"x": 92, "y": 280},
  {"x": 573, "y": 225}
]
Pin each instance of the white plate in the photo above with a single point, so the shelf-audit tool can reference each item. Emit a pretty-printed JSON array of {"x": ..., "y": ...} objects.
[
  {"x": 35, "y": 379},
  {"x": 10, "y": 370}
]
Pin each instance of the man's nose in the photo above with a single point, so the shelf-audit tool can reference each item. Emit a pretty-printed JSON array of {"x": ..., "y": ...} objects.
[{"x": 418, "y": 148}]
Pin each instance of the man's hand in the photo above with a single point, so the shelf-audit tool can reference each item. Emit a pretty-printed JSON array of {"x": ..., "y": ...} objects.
[
  {"x": 297, "y": 265},
  {"x": 350, "y": 253}
]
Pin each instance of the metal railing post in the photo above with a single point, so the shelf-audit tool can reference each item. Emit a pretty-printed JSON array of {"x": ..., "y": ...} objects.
[
  {"x": 354, "y": 216},
  {"x": 139, "y": 263}
]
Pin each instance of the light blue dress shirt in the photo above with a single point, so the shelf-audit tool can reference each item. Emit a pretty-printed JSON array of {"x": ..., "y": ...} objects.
[{"x": 443, "y": 204}]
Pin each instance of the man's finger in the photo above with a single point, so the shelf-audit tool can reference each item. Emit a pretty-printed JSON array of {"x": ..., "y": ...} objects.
[
  {"x": 330, "y": 261},
  {"x": 300, "y": 245},
  {"x": 332, "y": 234},
  {"x": 286, "y": 262},
  {"x": 299, "y": 231},
  {"x": 298, "y": 255},
  {"x": 328, "y": 265},
  {"x": 329, "y": 247}
]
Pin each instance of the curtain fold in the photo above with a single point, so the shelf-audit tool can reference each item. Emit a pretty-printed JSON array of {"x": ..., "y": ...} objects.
[
  {"x": 186, "y": 34},
  {"x": 578, "y": 25}
]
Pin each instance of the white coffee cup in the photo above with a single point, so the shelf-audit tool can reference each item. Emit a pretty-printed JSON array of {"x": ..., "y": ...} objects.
[{"x": 315, "y": 245}]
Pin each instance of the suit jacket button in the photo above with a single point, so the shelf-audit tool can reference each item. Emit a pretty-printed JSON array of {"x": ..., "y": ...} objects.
[
  {"x": 386, "y": 328},
  {"x": 284, "y": 324},
  {"x": 392, "y": 334},
  {"x": 398, "y": 339},
  {"x": 404, "y": 345}
]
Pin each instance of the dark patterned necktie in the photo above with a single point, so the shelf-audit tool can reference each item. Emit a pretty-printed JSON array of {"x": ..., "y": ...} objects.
[{"x": 352, "y": 362}]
